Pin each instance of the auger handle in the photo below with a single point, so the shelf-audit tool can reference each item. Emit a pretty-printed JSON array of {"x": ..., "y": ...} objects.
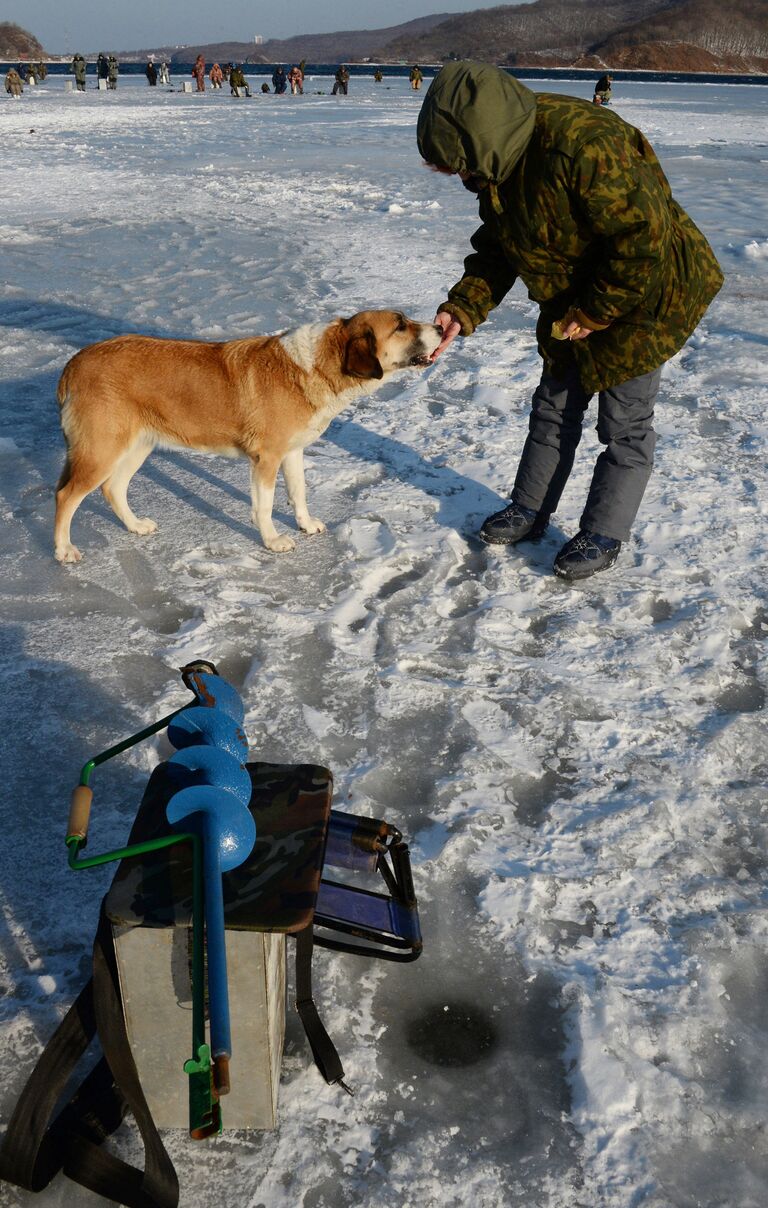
[{"x": 79, "y": 813}]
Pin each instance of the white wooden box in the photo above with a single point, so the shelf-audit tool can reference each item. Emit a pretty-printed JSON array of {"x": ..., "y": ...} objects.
[{"x": 154, "y": 969}]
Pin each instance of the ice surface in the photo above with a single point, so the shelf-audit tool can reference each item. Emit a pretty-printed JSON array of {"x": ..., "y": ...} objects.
[{"x": 581, "y": 770}]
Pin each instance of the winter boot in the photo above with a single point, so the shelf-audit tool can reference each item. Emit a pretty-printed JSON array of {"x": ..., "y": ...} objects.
[
  {"x": 512, "y": 524},
  {"x": 585, "y": 554}
]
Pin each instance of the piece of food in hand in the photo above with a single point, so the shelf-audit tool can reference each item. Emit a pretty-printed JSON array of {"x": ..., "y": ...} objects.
[{"x": 559, "y": 328}]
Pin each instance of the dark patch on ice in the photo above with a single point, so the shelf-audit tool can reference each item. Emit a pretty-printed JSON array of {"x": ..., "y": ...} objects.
[
  {"x": 660, "y": 610},
  {"x": 532, "y": 796},
  {"x": 743, "y": 696},
  {"x": 711, "y": 425},
  {"x": 758, "y": 626},
  {"x": 400, "y": 581},
  {"x": 452, "y": 1034}
]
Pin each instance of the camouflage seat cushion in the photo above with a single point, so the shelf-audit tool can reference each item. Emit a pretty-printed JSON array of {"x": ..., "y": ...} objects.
[{"x": 275, "y": 889}]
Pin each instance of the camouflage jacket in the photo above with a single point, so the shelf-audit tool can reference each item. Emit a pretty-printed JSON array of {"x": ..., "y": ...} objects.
[{"x": 586, "y": 218}]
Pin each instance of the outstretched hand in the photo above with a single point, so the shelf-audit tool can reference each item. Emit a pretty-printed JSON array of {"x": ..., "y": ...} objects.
[{"x": 450, "y": 327}]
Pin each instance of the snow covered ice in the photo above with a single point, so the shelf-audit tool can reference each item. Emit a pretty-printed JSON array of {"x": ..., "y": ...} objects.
[{"x": 581, "y": 770}]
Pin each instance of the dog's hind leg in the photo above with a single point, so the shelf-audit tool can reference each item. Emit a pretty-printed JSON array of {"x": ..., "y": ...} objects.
[
  {"x": 115, "y": 488},
  {"x": 263, "y": 476},
  {"x": 293, "y": 473},
  {"x": 82, "y": 474}
]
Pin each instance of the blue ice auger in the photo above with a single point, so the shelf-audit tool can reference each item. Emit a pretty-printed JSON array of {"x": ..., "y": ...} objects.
[
  {"x": 211, "y": 799},
  {"x": 212, "y": 802}
]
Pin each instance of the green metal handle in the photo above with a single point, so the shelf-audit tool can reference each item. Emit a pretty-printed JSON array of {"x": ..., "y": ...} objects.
[{"x": 204, "y": 1110}]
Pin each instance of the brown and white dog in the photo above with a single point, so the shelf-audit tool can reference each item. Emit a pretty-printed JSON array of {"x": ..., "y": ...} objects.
[{"x": 264, "y": 398}]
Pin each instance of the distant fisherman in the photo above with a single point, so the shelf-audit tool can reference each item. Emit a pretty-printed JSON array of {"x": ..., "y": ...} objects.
[
  {"x": 78, "y": 67},
  {"x": 342, "y": 81},
  {"x": 198, "y": 71},
  {"x": 13, "y": 83},
  {"x": 238, "y": 82},
  {"x": 603, "y": 90},
  {"x": 573, "y": 201}
]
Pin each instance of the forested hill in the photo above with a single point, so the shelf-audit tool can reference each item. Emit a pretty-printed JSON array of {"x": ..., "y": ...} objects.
[
  {"x": 16, "y": 43},
  {"x": 671, "y": 35},
  {"x": 692, "y": 35}
]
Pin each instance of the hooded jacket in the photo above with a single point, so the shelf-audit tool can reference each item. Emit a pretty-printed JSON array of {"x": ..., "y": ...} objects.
[{"x": 574, "y": 202}]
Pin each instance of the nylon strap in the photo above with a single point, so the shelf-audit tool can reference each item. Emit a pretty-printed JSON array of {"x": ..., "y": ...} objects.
[
  {"x": 34, "y": 1150},
  {"x": 324, "y": 1051}
]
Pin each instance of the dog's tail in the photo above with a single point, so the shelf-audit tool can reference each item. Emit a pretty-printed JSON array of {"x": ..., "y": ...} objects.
[
  {"x": 62, "y": 390},
  {"x": 63, "y": 397},
  {"x": 66, "y": 473}
]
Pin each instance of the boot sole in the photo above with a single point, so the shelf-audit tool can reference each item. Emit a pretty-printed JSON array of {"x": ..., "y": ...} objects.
[{"x": 584, "y": 572}]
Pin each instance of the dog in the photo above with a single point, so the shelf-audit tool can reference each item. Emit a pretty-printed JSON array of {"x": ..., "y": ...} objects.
[{"x": 265, "y": 398}]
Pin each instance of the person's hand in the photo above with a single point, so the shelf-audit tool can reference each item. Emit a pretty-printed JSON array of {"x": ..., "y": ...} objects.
[
  {"x": 574, "y": 331},
  {"x": 575, "y": 325},
  {"x": 450, "y": 327}
]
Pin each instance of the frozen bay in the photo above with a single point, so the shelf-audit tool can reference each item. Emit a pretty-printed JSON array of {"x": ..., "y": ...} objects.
[{"x": 581, "y": 770}]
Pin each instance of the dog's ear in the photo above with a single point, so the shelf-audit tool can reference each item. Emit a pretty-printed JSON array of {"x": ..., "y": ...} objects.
[{"x": 360, "y": 358}]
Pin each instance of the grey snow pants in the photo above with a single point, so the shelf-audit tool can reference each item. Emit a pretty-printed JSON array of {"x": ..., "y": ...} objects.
[{"x": 624, "y": 426}]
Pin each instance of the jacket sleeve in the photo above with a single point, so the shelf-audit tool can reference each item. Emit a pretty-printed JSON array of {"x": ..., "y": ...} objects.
[
  {"x": 624, "y": 198},
  {"x": 488, "y": 278}
]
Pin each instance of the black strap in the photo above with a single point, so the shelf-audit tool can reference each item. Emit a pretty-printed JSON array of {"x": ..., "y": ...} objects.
[
  {"x": 34, "y": 1150},
  {"x": 324, "y": 1051}
]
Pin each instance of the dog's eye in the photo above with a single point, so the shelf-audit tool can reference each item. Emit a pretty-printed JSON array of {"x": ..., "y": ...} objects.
[{"x": 401, "y": 324}]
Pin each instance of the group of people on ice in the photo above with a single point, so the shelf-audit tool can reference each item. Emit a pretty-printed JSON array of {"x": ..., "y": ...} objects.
[
  {"x": 293, "y": 79},
  {"x": 157, "y": 75},
  {"x": 108, "y": 68},
  {"x": 17, "y": 77}
]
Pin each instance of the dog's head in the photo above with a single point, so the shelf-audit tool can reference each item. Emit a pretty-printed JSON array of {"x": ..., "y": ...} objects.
[{"x": 377, "y": 342}]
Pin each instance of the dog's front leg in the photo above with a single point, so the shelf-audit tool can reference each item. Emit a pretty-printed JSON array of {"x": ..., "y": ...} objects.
[
  {"x": 293, "y": 472},
  {"x": 263, "y": 476}
]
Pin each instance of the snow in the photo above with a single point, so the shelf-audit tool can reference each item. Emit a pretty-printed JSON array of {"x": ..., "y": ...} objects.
[{"x": 580, "y": 770}]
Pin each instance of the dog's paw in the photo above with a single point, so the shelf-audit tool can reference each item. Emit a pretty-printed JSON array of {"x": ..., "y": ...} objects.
[
  {"x": 68, "y": 553},
  {"x": 144, "y": 526},
  {"x": 280, "y": 544},
  {"x": 312, "y": 525}
]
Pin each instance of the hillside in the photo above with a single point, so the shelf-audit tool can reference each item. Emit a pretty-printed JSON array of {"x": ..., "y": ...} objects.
[
  {"x": 699, "y": 33},
  {"x": 657, "y": 35},
  {"x": 346, "y": 45},
  {"x": 17, "y": 43},
  {"x": 683, "y": 35},
  {"x": 509, "y": 32}
]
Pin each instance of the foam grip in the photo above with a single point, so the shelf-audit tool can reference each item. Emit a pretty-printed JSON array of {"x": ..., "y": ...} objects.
[{"x": 79, "y": 812}]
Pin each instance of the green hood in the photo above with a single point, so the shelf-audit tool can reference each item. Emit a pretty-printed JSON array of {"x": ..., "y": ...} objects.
[{"x": 477, "y": 119}]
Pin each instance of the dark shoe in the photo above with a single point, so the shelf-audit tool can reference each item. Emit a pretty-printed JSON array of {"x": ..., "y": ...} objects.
[
  {"x": 513, "y": 523},
  {"x": 585, "y": 554}
]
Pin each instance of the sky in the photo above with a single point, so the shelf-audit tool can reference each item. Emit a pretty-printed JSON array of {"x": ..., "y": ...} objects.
[{"x": 89, "y": 26}]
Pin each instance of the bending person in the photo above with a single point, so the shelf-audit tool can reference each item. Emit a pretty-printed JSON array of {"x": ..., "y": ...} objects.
[{"x": 573, "y": 201}]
